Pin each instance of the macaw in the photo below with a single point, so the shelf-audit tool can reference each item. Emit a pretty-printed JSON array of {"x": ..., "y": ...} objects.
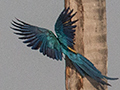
[{"x": 55, "y": 46}]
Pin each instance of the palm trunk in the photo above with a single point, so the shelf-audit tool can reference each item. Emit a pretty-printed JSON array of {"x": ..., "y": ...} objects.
[{"x": 90, "y": 41}]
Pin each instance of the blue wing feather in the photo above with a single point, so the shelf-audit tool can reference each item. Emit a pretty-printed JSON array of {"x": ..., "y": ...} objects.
[
  {"x": 27, "y": 37},
  {"x": 36, "y": 44},
  {"x": 32, "y": 43},
  {"x": 37, "y": 37},
  {"x": 29, "y": 40},
  {"x": 64, "y": 27}
]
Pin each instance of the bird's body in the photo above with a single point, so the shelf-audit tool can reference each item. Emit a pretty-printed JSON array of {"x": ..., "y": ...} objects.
[{"x": 55, "y": 46}]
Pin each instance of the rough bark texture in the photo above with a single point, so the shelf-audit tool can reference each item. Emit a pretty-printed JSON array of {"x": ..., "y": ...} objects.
[
  {"x": 73, "y": 79},
  {"x": 90, "y": 41}
]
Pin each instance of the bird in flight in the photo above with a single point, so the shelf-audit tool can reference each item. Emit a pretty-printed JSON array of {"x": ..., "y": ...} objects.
[{"x": 54, "y": 46}]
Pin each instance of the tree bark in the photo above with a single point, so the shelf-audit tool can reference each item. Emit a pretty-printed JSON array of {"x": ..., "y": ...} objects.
[{"x": 90, "y": 41}]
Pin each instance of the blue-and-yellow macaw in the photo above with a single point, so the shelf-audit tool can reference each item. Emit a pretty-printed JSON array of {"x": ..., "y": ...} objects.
[{"x": 54, "y": 46}]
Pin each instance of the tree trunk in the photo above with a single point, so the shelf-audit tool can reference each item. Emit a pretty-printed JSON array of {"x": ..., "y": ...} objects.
[{"x": 90, "y": 41}]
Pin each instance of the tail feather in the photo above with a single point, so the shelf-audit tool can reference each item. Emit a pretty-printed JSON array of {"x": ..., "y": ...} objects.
[
  {"x": 88, "y": 67},
  {"x": 109, "y": 78},
  {"x": 79, "y": 69},
  {"x": 84, "y": 66},
  {"x": 88, "y": 62},
  {"x": 91, "y": 75}
]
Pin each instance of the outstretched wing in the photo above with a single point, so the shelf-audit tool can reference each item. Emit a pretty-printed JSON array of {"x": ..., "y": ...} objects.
[
  {"x": 38, "y": 38},
  {"x": 64, "y": 27}
]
